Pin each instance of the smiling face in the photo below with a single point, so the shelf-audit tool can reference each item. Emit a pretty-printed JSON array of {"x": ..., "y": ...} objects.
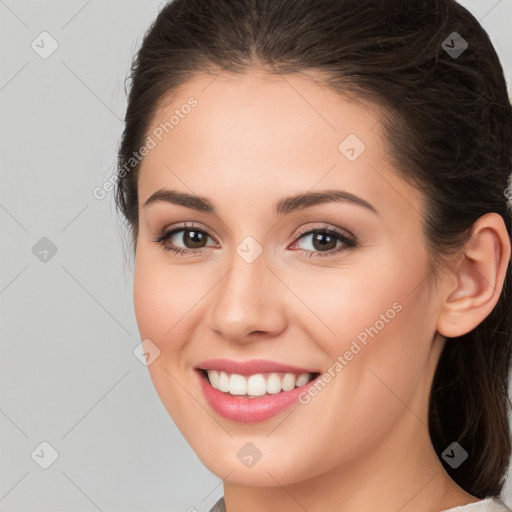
[{"x": 355, "y": 302}]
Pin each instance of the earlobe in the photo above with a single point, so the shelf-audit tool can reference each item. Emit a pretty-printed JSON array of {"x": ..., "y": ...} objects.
[{"x": 479, "y": 275}]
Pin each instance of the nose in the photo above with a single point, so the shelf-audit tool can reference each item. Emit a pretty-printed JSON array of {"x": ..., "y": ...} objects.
[{"x": 248, "y": 303}]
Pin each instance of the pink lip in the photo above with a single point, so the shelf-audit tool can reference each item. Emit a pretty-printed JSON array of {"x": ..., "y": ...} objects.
[
  {"x": 250, "y": 367},
  {"x": 249, "y": 410}
]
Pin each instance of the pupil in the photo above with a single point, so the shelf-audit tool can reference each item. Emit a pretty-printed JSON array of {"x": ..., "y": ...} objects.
[
  {"x": 198, "y": 238},
  {"x": 323, "y": 240}
]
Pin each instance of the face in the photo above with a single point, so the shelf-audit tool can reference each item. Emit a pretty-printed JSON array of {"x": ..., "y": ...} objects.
[{"x": 264, "y": 290}]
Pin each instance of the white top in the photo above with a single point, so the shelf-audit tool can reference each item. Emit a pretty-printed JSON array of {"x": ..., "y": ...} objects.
[{"x": 487, "y": 505}]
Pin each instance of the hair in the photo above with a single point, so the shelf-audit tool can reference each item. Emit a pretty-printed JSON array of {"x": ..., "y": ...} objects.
[{"x": 447, "y": 125}]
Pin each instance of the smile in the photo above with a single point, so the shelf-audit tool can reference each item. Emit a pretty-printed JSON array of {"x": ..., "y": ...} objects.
[
  {"x": 252, "y": 391},
  {"x": 256, "y": 385}
]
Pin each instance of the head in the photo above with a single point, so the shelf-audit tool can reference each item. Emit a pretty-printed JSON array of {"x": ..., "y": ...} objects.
[{"x": 240, "y": 106}]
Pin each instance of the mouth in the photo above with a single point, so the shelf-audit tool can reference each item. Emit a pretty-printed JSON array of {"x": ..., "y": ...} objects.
[
  {"x": 256, "y": 385},
  {"x": 252, "y": 391},
  {"x": 252, "y": 397}
]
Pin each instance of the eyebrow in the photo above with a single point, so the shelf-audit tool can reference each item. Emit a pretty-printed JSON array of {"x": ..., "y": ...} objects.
[{"x": 282, "y": 207}]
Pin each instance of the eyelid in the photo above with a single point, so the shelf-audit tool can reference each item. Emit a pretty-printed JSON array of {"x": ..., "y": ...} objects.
[
  {"x": 184, "y": 227},
  {"x": 321, "y": 227}
]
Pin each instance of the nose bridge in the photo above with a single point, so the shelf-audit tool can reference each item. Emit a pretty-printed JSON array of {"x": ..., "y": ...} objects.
[
  {"x": 248, "y": 266},
  {"x": 245, "y": 300}
]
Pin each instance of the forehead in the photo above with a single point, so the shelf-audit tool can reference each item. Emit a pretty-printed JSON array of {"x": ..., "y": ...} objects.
[
  {"x": 265, "y": 133},
  {"x": 264, "y": 105}
]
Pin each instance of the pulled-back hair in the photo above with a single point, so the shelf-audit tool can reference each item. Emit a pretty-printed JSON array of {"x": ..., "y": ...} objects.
[{"x": 447, "y": 127}]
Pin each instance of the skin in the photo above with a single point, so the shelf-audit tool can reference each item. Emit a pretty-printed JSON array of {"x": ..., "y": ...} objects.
[{"x": 362, "y": 443}]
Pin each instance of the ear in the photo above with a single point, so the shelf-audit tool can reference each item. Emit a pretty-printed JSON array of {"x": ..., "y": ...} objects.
[{"x": 478, "y": 273}]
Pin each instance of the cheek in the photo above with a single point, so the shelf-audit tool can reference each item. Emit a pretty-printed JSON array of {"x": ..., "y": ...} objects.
[
  {"x": 381, "y": 325},
  {"x": 147, "y": 300},
  {"x": 162, "y": 299},
  {"x": 373, "y": 299},
  {"x": 161, "y": 305},
  {"x": 368, "y": 383}
]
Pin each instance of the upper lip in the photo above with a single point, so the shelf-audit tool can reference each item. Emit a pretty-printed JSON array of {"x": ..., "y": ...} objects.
[{"x": 250, "y": 367}]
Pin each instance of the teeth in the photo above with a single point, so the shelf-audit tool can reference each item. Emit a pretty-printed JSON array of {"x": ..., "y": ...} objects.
[
  {"x": 273, "y": 383},
  {"x": 258, "y": 384},
  {"x": 237, "y": 385},
  {"x": 223, "y": 382},
  {"x": 288, "y": 382},
  {"x": 302, "y": 379}
]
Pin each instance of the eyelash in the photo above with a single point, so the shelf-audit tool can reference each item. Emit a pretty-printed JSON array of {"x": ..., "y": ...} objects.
[{"x": 348, "y": 242}]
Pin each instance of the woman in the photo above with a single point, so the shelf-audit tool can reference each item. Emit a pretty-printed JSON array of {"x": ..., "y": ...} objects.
[{"x": 316, "y": 195}]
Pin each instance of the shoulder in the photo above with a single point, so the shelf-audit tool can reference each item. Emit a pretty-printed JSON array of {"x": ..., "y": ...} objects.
[
  {"x": 219, "y": 506},
  {"x": 486, "y": 505}
]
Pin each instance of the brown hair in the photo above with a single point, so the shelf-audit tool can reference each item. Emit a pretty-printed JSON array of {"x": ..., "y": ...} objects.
[{"x": 447, "y": 127}]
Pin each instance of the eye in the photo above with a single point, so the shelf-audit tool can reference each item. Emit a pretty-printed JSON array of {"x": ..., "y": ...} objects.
[
  {"x": 324, "y": 241},
  {"x": 190, "y": 235}
]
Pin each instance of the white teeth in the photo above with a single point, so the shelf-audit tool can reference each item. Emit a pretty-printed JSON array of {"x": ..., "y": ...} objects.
[
  {"x": 256, "y": 385},
  {"x": 213, "y": 375},
  {"x": 288, "y": 382},
  {"x": 273, "y": 383},
  {"x": 237, "y": 385},
  {"x": 302, "y": 379},
  {"x": 223, "y": 382}
]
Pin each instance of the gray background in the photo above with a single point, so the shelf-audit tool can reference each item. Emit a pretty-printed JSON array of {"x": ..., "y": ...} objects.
[{"x": 68, "y": 372}]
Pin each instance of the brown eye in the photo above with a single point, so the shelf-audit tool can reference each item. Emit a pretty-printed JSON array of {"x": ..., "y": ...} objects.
[
  {"x": 324, "y": 241},
  {"x": 184, "y": 239},
  {"x": 193, "y": 238}
]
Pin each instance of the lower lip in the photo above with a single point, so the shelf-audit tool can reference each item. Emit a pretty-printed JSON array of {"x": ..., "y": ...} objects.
[{"x": 248, "y": 410}]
